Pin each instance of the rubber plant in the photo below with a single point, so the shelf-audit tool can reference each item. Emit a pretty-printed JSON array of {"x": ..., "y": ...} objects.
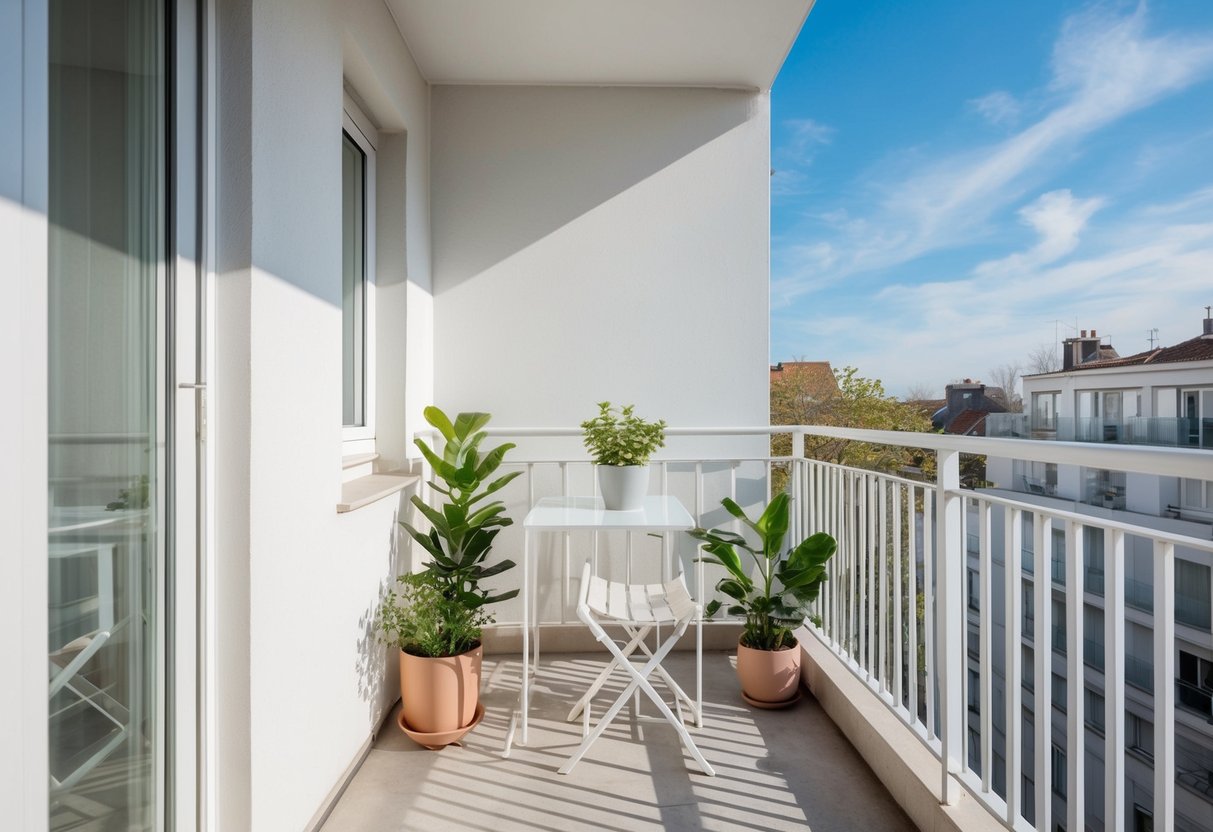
[
  {"x": 462, "y": 531},
  {"x": 776, "y": 600}
]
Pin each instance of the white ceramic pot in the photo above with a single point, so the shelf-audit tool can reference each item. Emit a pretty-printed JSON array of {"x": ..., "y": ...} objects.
[{"x": 623, "y": 487}]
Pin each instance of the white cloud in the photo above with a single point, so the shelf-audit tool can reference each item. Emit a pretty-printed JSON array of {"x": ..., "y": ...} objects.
[
  {"x": 1104, "y": 67},
  {"x": 998, "y": 107},
  {"x": 1058, "y": 218},
  {"x": 796, "y": 154}
]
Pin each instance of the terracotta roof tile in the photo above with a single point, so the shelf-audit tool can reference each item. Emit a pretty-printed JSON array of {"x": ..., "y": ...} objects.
[
  {"x": 968, "y": 423},
  {"x": 1194, "y": 349},
  {"x": 816, "y": 377}
]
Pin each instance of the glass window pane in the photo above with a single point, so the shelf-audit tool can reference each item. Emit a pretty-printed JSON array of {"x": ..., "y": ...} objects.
[
  {"x": 353, "y": 279},
  {"x": 106, "y": 727}
]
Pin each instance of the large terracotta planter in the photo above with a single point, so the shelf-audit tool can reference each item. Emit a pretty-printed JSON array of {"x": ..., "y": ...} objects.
[
  {"x": 440, "y": 695},
  {"x": 769, "y": 676}
]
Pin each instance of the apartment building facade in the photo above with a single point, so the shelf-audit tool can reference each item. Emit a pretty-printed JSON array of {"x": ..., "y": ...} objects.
[{"x": 1161, "y": 397}]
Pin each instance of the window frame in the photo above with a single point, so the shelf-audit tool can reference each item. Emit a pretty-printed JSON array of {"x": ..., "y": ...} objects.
[{"x": 361, "y": 438}]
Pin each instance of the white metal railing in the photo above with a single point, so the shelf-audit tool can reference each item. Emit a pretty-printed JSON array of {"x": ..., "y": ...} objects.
[{"x": 896, "y": 606}]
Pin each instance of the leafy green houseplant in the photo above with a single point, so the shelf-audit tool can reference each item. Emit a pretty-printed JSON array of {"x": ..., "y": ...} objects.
[
  {"x": 772, "y": 594},
  {"x": 621, "y": 444},
  {"x": 436, "y": 615}
]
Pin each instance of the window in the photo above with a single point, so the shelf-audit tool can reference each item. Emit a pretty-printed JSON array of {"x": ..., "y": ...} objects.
[
  {"x": 1192, "y": 590},
  {"x": 1059, "y": 626},
  {"x": 1093, "y": 636},
  {"x": 1044, "y": 411},
  {"x": 1059, "y": 772},
  {"x": 1059, "y": 693},
  {"x": 974, "y": 590},
  {"x": 1093, "y": 709},
  {"x": 1194, "y": 688},
  {"x": 1104, "y": 488},
  {"x": 1034, "y": 477},
  {"x": 1139, "y": 735},
  {"x": 1197, "y": 494},
  {"x": 357, "y": 275}
]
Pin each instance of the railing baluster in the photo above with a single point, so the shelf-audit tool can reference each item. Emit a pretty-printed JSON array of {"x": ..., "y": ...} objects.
[
  {"x": 1013, "y": 586},
  {"x": 1075, "y": 689},
  {"x": 912, "y": 569},
  {"x": 568, "y": 542},
  {"x": 950, "y": 622},
  {"x": 928, "y": 612},
  {"x": 1042, "y": 658},
  {"x": 898, "y": 592},
  {"x": 985, "y": 644},
  {"x": 1164, "y": 685},
  {"x": 1114, "y": 683}
]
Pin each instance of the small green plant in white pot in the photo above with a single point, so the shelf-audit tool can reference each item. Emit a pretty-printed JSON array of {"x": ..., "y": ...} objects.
[{"x": 621, "y": 444}]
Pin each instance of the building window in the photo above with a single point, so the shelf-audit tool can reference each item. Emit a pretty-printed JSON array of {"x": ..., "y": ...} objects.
[
  {"x": 1143, "y": 819},
  {"x": 1104, "y": 488},
  {"x": 1034, "y": 477},
  {"x": 1093, "y": 709},
  {"x": 1139, "y": 735},
  {"x": 1059, "y": 693},
  {"x": 1044, "y": 411},
  {"x": 1059, "y": 772},
  {"x": 357, "y": 275},
  {"x": 974, "y": 590},
  {"x": 1194, "y": 687},
  {"x": 1196, "y": 494},
  {"x": 1192, "y": 590}
]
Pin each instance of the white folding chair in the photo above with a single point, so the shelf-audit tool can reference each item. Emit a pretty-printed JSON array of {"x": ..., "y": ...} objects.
[{"x": 638, "y": 608}]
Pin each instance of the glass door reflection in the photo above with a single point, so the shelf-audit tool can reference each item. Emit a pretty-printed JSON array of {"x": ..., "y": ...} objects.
[{"x": 107, "y": 353}]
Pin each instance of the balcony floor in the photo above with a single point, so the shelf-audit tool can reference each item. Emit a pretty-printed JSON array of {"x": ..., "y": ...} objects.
[{"x": 775, "y": 770}]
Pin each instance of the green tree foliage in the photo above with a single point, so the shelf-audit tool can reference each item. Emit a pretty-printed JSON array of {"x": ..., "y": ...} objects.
[{"x": 859, "y": 403}]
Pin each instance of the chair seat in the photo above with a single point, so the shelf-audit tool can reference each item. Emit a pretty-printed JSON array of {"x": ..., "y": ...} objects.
[{"x": 663, "y": 603}]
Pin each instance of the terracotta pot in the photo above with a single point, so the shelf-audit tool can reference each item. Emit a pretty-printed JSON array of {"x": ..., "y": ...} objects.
[
  {"x": 769, "y": 675},
  {"x": 440, "y": 694}
]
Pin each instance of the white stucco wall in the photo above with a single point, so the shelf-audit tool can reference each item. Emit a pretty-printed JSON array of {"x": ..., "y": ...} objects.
[
  {"x": 23, "y": 419},
  {"x": 601, "y": 243},
  {"x": 301, "y": 680}
]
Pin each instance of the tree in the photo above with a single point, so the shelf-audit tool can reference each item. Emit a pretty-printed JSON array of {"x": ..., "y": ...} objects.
[
  {"x": 1043, "y": 359},
  {"x": 859, "y": 403},
  {"x": 1006, "y": 379},
  {"x": 920, "y": 392}
]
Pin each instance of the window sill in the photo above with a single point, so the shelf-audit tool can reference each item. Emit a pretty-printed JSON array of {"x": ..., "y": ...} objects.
[{"x": 365, "y": 490}]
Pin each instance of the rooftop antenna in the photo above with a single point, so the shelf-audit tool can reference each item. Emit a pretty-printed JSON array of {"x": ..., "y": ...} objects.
[{"x": 1152, "y": 334}]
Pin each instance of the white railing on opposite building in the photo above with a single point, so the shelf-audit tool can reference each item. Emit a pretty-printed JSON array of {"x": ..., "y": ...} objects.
[{"x": 897, "y": 606}]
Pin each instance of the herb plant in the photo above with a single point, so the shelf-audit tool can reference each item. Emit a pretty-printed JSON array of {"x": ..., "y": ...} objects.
[
  {"x": 777, "y": 602},
  {"x": 461, "y": 532},
  {"x": 417, "y": 618},
  {"x": 616, "y": 436}
]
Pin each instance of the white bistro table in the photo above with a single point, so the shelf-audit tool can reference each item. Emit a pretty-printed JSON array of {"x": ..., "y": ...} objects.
[{"x": 660, "y": 513}]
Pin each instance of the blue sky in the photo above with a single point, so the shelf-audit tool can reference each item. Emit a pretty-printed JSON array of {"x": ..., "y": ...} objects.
[{"x": 953, "y": 179}]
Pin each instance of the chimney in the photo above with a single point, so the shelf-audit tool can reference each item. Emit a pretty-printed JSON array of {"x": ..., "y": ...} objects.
[
  {"x": 1208, "y": 333},
  {"x": 1093, "y": 335}
]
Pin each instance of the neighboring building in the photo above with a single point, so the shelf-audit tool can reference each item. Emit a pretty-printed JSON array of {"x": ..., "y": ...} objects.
[
  {"x": 243, "y": 245},
  {"x": 966, "y": 405},
  {"x": 1165, "y": 397}
]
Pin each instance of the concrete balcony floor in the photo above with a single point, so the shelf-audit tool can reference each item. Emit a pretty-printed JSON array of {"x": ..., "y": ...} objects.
[{"x": 775, "y": 770}]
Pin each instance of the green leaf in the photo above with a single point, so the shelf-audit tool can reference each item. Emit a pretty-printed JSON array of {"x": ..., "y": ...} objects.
[
  {"x": 727, "y": 557},
  {"x": 442, "y": 468},
  {"x": 493, "y": 459},
  {"x": 733, "y": 589},
  {"x": 469, "y": 423},
  {"x": 495, "y": 569},
  {"x": 773, "y": 525},
  {"x": 503, "y": 596},
  {"x": 440, "y": 421},
  {"x": 496, "y": 485},
  {"x": 712, "y": 608}
]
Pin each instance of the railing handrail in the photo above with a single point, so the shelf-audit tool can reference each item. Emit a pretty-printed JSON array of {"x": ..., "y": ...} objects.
[{"x": 1173, "y": 462}]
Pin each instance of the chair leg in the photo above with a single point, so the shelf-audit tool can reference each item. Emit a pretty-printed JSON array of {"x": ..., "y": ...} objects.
[{"x": 638, "y": 638}]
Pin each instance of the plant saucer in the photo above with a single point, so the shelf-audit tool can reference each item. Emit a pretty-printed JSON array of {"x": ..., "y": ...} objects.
[
  {"x": 438, "y": 740},
  {"x": 771, "y": 706}
]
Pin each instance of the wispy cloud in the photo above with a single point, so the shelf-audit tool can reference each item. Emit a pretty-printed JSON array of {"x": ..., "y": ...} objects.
[
  {"x": 998, "y": 107},
  {"x": 1058, "y": 218},
  {"x": 1104, "y": 66},
  {"x": 792, "y": 158}
]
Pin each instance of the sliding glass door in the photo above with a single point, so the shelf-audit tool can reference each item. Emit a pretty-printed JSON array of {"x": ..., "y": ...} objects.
[{"x": 110, "y": 458}]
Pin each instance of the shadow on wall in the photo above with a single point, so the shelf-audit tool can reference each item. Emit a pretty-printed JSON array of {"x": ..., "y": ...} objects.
[
  {"x": 512, "y": 165},
  {"x": 375, "y": 665}
]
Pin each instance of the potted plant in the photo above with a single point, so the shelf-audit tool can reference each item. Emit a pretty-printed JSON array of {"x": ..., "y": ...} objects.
[
  {"x": 774, "y": 604},
  {"x": 436, "y": 618},
  {"x": 621, "y": 444}
]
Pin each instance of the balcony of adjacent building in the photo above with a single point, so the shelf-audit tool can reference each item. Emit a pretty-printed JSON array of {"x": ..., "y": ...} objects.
[
  {"x": 911, "y": 718},
  {"x": 1172, "y": 432}
]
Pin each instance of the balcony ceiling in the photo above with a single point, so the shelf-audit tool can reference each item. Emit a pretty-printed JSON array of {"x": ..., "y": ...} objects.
[{"x": 713, "y": 43}]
